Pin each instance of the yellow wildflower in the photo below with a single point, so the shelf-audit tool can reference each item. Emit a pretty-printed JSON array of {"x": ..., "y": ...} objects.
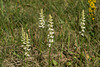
[
  {"x": 94, "y": 8},
  {"x": 89, "y": 1},
  {"x": 92, "y": 18},
  {"x": 90, "y": 10},
  {"x": 94, "y": 1},
  {"x": 92, "y": 4}
]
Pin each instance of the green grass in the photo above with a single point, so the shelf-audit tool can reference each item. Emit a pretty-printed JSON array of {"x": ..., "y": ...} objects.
[{"x": 70, "y": 49}]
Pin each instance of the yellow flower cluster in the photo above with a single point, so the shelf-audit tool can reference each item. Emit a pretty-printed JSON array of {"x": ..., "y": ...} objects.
[{"x": 92, "y": 8}]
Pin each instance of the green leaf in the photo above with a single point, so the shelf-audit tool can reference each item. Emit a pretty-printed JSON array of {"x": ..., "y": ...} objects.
[
  {"x": 55, "y": 63},
  {"x": 69, "y": 63},
  {"x": 16, "y": 54}
]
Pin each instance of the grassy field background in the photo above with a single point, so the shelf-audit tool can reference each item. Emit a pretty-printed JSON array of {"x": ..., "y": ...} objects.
[{"x": 70, "y": 49}]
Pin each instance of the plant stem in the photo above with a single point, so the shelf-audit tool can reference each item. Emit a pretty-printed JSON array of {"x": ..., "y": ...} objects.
[
  {"x": 81, "y": 50},
  {"x": 68, "y": 41},
  {"x": 49, "y": 56}
]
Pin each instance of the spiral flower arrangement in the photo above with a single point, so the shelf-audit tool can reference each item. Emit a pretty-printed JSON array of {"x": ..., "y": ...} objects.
[
  {"x": 41, "y": 20},
  {"x": 25, "y": 40},
  {"x": 51, "y": 31},
  {"x": 92, "y": 8},
  {"x": 82, "y": 24}
]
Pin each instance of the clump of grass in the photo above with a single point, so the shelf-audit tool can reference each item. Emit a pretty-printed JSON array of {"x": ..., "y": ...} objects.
[
  {"x": 2, "y": 8},
  {"x": 25, "y": 13}
]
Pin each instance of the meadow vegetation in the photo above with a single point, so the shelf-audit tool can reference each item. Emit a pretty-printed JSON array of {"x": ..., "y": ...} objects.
[{"x": 49, "y": 33}]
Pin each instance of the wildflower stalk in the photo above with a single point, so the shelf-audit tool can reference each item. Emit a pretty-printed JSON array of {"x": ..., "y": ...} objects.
[
  {"x": 50, "y": 37},
  {"x": 41, "y": 26},
  {"x": 49, "y": 56},
  {"x": 82, "y": 24},
  {"x": 68, "y": 42},
  {"x": 92, "y": 8},
  {"x": 26, "y": 44},
  {"x": 41, "y": 20},
  {"x": 81, "y": 51}
]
